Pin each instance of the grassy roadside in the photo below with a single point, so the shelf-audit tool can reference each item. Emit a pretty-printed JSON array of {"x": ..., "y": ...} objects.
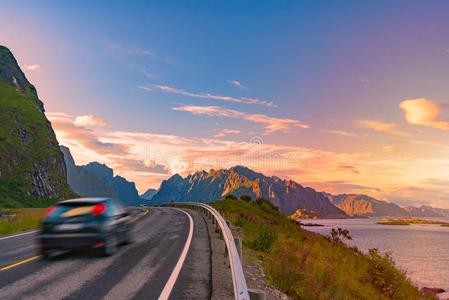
[
  {"x": 305, "y": 265},
  {"x": 19, "y": 219}
]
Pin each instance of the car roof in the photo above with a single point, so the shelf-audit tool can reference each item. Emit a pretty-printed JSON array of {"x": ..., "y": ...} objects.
[{"x": 85, "y": 200}]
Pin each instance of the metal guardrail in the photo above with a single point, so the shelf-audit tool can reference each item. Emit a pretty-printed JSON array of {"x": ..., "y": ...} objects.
[{"x": 238, "y": 277}]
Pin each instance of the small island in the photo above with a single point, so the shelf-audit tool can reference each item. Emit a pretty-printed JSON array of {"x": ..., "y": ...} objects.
[{"x": 408, "y": 221}]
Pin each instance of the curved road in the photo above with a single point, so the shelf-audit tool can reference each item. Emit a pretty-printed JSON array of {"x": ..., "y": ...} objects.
[{"x": 169, "y": 259}]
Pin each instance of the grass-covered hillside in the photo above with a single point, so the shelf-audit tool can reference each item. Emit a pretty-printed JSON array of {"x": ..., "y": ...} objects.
[
  {"x": 31, "y": 165},
  {"x": 306, "y": 265}
]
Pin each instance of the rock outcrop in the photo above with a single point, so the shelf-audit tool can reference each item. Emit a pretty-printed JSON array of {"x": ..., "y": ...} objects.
[
  {"x": 83, "y": 182},
  {"x": 32, "y": 169},
  {"x": 204, "y": 186}
]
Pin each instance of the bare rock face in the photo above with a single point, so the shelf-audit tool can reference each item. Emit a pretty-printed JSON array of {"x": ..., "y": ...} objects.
[
  {"x": 204, "y": 186},
  {"x": 43, "y": 184},
  {"x": 83, "y": 182},
  {"x": 32, "y": 168}
]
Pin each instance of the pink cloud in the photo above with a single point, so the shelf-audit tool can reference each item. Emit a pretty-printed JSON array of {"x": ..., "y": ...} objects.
[
  {"x": 380, "y": 126},
  {"x": 89, "y": 120},
  {"x": 226, "y": 132}
]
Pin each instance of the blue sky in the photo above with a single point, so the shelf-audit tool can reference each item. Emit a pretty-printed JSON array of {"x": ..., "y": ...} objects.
[{"x": 172, "y": 68}]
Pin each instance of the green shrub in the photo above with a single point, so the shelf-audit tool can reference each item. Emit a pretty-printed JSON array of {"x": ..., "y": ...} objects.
[
  {"x": 230, "y": 197},
  {"x": 266, "y": 204},
  {"x": 339, "y": 235},
  {"x": 385, "y": 276},
  {"x": 246, "y": 198},
  {"x": 265, "y": 239},
  {"x": 240, "y": 222}
]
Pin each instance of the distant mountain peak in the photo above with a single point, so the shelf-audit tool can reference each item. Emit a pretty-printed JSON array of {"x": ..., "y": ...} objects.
[
  {"x": 11, "y": 72},
  {"x": 367, "y": 206},
  {"x": 205, "y": 186},
  {"x": 149, "y": 194}
]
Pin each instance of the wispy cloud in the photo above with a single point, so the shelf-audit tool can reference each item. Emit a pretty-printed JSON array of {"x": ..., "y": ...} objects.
[
  {"x": 238, "y": 84},
  {"x": 424, "y": 112},
  {"x": 33, "y": 67},
  {"x": 364, "y": 80},
  {"x": 343, "y": 133},
  {"x": 244, "y": 100},
  {"x": 380, "y": 126},
  {"x": 121, "y": 51},
  {"x": 225, "y": 132},
  {"x": 145, "y": 88},
  {"x": 271, "y": 124}
]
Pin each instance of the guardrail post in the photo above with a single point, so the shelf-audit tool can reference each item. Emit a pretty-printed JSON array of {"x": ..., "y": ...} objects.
[
  {"x": 229, "y": 224},
  {"x": 238, "y": 244},
  {"x": 255, "y": 294}
]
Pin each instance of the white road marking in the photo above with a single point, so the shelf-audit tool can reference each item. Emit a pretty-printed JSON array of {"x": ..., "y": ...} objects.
[
  {"x": 16, "y": 235},
  {"x": 175, "y": 273}
]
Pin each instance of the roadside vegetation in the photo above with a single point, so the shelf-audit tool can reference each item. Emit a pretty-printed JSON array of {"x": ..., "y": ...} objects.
[
  {"x": 306, "y": 265},
  {"x": 408, "y": 221},
  {"x": 19, "y": 219}
]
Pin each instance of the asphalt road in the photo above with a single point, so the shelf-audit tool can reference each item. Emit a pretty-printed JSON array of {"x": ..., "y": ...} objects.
[{"x": 170, "y": 259}]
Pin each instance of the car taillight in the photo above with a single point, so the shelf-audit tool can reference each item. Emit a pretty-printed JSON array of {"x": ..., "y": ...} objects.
[
  {"x": 50, "y": 210},
  {"x": 98, "y": 209}
]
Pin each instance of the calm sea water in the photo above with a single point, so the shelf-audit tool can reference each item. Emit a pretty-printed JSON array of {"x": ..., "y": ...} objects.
[{"x": 421, "y": 250}]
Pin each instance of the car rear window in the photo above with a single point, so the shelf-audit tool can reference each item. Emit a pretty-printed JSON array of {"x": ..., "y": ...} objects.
[{"x": 70, "y": 210}]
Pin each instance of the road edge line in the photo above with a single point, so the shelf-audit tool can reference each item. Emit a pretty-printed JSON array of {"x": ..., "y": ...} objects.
[
  {"x": 18, "y": 234},
  {"x": 165, "y": 294}
]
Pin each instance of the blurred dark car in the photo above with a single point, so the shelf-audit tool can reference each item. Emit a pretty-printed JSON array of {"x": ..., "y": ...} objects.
[{"x": 96, "y": 223}]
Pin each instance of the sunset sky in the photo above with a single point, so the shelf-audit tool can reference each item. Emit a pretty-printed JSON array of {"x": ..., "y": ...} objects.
[{"x": 342, "y": 96}]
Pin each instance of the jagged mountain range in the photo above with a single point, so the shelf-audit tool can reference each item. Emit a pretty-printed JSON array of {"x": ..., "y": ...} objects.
[
  {"x": 289, "y": 196},
  {"x": 204, "y": 186},
  {"x": 98, "y": 180},
  {"x": 32, "y": 168}
]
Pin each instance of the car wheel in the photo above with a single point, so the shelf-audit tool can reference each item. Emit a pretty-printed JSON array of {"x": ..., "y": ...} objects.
[
  {"x": 45, "y": 253},
  {"x": 110, "y": 246},
  {"x": 129, "y": 238}
]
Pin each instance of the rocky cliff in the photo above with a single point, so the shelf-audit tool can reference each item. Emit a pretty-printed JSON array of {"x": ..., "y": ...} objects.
[
  {"x": 204, "y": 186},
  {"x": 32, "y": 169},
  {"x": 83, "y": 182},
  {"x": 366, "y": 206}
]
